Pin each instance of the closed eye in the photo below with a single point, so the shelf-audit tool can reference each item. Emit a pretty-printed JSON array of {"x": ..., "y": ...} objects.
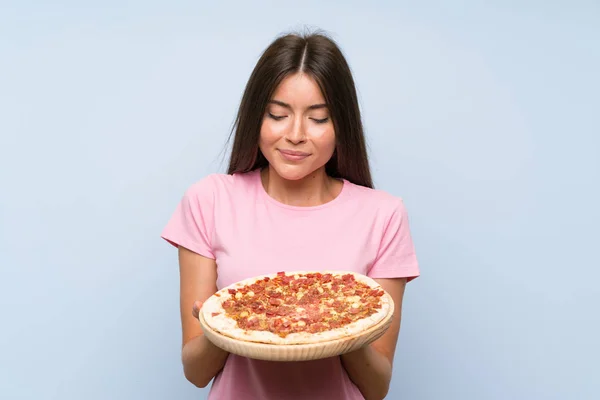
[
  {"x": 321, "y": 121},
  {"x": 276, "y": 117}
]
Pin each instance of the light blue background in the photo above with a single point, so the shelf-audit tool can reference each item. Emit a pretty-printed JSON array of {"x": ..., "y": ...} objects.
[{"x": 485, "y": 118}]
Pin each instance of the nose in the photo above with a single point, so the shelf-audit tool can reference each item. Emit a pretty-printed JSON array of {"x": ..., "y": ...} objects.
[{"x": 296, "y": 134}]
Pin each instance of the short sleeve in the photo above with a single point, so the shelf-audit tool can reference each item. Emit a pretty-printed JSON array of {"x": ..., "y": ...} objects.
[
  {"x": 396, "y": 257},
  {"x": 192, "y": 224}
]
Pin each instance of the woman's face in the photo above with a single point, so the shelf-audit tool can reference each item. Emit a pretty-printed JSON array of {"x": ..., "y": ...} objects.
[{"x": 297, "y": 135}]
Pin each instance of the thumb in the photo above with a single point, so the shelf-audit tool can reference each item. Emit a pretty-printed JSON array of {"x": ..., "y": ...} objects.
[{"x": 196, "y": 309}]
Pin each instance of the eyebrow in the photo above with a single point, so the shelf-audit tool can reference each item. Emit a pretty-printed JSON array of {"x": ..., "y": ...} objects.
[{"x": 286, "y": 105}]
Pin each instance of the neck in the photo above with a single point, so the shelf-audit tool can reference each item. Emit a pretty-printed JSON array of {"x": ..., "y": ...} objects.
[{"x": 313, "y": 190}]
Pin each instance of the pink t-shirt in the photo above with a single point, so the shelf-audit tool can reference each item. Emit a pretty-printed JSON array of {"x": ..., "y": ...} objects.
[{"x": 232, "y": 219}]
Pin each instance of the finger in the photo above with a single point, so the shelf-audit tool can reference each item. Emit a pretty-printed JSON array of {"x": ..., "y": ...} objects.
[{"x": 196, "y": 309}]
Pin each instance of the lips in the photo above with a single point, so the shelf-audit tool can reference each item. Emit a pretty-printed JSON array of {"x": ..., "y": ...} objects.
[{"x": 293, "y": 155}]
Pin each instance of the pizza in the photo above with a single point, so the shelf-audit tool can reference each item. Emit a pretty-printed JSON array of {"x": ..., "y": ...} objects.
[{"x": 297, "y": 307}]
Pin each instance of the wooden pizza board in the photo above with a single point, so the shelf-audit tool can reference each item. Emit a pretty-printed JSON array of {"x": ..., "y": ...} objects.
[{"x": 298, "y": 352}]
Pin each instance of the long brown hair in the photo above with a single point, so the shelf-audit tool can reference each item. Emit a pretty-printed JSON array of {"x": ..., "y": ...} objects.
[{"x": 318, "y": 56}]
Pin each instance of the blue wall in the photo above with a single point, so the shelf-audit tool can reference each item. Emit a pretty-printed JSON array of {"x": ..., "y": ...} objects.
[{"x": 485, "y": 119}]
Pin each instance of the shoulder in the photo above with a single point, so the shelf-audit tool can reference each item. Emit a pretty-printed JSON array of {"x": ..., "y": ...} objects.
[
  {"x": 376, "y": 199},
  {"x": 219, "y": 185}
]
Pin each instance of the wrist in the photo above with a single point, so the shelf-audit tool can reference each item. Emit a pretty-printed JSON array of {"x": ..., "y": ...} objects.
[
  {"x": 359, "y": 353},
  {"x": 208, "y": 346},
  {"x": 200, "y": 345}
]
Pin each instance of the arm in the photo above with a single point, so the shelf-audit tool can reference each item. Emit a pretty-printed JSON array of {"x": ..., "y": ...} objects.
[
  {"x": 370, "y": 368},
  {"x": 201, "y": 359}
]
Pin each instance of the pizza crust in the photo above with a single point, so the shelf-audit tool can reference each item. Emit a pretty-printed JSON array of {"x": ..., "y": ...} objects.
[{"x": 216, "y": 318}]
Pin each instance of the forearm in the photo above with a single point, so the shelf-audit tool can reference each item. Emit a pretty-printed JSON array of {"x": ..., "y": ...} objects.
[
  {"x": 370, "y": 371},
  {"x": 202, "y": 360}
]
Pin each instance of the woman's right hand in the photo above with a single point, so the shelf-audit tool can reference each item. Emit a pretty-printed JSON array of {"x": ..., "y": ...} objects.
[
  {"x": 202, "y": 360},
  {"x": 196, "y": 309}
]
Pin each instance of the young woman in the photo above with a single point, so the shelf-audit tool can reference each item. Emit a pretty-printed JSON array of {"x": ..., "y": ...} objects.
[{"x": 298, "y": 196}]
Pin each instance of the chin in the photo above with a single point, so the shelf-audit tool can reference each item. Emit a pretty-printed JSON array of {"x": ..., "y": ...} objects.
[{"x": 292, "y": 173}]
